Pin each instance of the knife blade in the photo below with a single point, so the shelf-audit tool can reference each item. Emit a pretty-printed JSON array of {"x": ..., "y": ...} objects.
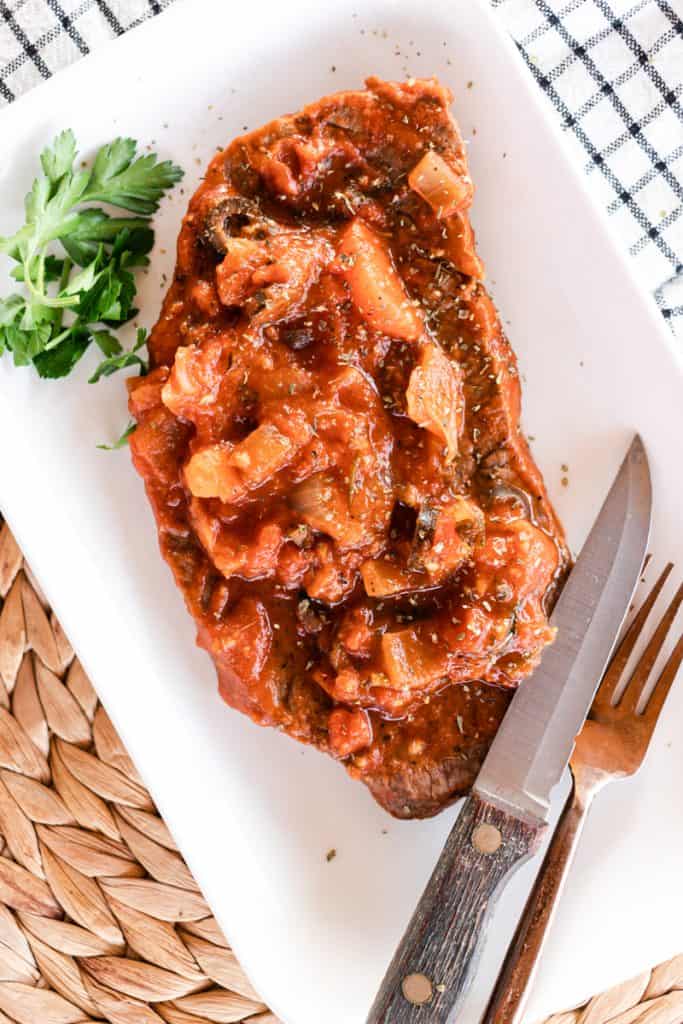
[
  {"x": 503, "y": 819},
  {"x": 534, "y": 743}
]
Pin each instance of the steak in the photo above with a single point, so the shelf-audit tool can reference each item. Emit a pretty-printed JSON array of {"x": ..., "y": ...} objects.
[{"x": 329, "y": 438}]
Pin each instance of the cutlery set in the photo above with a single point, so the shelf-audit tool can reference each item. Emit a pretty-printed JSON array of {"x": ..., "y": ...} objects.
[{"x": 563, "y": 715}]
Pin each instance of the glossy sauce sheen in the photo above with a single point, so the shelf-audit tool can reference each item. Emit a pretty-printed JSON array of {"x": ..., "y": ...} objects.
[{"x": 329, "y": 438}]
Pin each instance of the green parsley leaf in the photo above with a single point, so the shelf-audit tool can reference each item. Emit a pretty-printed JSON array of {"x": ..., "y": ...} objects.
[
  {"x": 70, "y": 297},
  {"x": 25, "y": 345},
  {"x": 123, "y": 440},
  {"x": 135, "y": 185},
  {"x": 120, "y": 360},
  {"x": 108, "y": 344},
  {"x": 10, "y": 308},
  {"x": 60, "y": 360},
  {"x": 95, "y": 226},
  {"x": 58, "y": 158}
]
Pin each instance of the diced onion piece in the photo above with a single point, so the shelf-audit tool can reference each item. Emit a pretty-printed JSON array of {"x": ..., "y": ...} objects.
[
  {"x": 435, "y": 397},
  {"x": 193, "y": 381},
  {"x": 410, "y": 662},
  {"x": 209, "y": 473},
  {"x": 382, "y": 578},
  {"x": 376, "y": 288},
  {"x": 446, "y": 190},
  {"x": 323, "y": 503},
  {"x": 227, "y": 471},
  {"x": 262, "y": 454},
  {"x": 349, "y": 731}
]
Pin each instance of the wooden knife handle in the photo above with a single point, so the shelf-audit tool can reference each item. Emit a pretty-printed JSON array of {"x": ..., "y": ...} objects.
[
  {"x": 438, "y": 955},
  {"x": 512, "y": 989}
]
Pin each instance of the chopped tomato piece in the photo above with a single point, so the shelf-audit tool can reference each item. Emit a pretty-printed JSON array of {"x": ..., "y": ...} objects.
[
  {"x": 205, "y": 298},
  {"x": 252, "y": 561},
  {"x": 517, "y": 558},
  {"x": 375, "y": 285},
  {"x": 245, "y": 640},
  {"x": 254, "y": 556},
  {"x": 331, "y": 578},
  {"x": 145, "y": 392},
  {"x": 350, "y": 731},
  {"x": 273, "y": 273},
  {"x": 435, "y": 397},
  {"x": 281, "y": 269},
  {"x": 331, "y": 583},
  {"x": 445, "y": 537},
  {"x": 445, "y": 189},
  {"x": 156, "y": 444},
  {"x": 474, "y": 631},
  {"x": 234, "y": 274},
  {"x": 293, "y": 563},
  {"x": 460, "y": 246},
  {"x": 287, "y": 161},
  {"x": 346, "y": 686},
  {"x": 355, "y": 632}
]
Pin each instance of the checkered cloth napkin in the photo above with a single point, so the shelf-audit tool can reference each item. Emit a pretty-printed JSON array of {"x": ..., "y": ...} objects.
[{"x": 612, "y": 70}]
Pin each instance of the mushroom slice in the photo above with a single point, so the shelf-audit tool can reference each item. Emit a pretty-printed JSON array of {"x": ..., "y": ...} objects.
[{"x": 228, "y": 216}]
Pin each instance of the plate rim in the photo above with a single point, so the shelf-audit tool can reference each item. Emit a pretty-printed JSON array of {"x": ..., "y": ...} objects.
[{"x": 81, "y": 69}]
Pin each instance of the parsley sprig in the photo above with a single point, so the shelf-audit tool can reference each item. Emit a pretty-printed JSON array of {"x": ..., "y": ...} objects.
[{"x": 76, "y": 261}]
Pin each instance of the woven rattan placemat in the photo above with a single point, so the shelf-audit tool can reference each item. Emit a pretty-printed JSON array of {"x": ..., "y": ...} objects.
[{"x": 100, "y": 918}]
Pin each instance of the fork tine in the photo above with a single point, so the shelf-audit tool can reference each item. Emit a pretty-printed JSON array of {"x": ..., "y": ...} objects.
[
  {"x": 663, "y": 685},
  {"x": 615, "y": 669},
  {"x": 638, "y": 681}
]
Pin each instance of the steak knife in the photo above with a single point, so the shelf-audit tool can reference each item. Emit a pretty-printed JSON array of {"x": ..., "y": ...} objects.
[{"x": 503, "y": 819}]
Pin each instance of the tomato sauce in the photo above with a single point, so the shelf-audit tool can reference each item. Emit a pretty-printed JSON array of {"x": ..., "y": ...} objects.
[{"x": 329, "y": 437}]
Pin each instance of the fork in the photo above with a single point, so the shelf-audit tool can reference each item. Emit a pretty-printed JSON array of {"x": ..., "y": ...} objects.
[{"x": 611, "y": 746}]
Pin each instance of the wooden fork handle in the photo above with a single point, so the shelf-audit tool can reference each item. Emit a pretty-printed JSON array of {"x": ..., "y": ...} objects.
[
  {"x": 507, "y": 1003},
  {"x": 438, "y": 955}
]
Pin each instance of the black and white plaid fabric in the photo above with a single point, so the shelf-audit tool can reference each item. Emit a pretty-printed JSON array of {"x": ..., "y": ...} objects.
[
  {"x": 612, "y": 69},
  {"x": 38, "y": 37}
]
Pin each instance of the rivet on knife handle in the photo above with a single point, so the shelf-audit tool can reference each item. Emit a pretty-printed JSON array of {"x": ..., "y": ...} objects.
[
  {"x": 510, "y": 994},
  {"x": 438, "y": 955}
]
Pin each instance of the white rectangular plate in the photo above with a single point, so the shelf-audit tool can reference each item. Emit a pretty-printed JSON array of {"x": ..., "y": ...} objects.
[{"x": 253, "y": 812}]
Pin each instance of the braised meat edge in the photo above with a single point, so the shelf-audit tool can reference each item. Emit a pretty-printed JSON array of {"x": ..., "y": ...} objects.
[{"x": 329, "y": 438}]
